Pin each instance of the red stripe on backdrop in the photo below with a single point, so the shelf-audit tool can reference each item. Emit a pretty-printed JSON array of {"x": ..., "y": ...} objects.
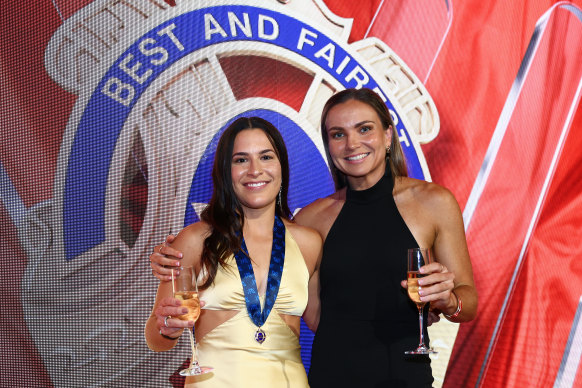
[
  {"x": 535, "y": 331},
  {"x": 541, "y": 311},
  {"x": 35, "y": 109},
  {"x": 470, "y": 82},
  {"x": 500, "y": 224},
  {"x": 34, "y": 113}
]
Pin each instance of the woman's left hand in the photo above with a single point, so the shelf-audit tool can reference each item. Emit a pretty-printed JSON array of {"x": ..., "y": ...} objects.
[{"x": 436, "y": 287}]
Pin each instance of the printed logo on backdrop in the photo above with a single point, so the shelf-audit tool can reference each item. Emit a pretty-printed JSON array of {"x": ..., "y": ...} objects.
[{"x": 156, "y": 87}]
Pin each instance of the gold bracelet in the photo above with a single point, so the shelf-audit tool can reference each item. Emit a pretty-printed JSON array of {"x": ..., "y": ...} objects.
[{"x": 459, "y": 308}]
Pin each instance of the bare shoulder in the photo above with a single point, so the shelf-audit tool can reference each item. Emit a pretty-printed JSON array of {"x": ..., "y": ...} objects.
[
  {"x": 309, "y": 242},
  {"x": 303, "y": 234},
  {"x": 430, "y": 195},
  {"x": 321, "y": 213},
  {"x": 197, "y": 230},
  {"x": 190, "y": 240},
  {"x": 322, "y": 205}
]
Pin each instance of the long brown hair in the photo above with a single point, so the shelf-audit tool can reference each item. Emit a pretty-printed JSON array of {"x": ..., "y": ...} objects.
[
  {"x": 224, "y": 213},
  {"x": 395, "y": 158}
]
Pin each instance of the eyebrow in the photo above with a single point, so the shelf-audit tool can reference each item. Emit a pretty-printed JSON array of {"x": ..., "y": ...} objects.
[
  {"x": 246, "y": 153},
  {"x": 355, "y": 126}
]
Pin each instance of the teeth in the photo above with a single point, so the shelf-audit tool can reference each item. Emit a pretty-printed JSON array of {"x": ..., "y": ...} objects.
[
  {"x": 359, "y": 157},
  {"x": 257, "y": 184}
]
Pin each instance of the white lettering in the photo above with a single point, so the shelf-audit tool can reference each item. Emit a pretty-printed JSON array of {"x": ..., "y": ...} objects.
[
  {"x": 328, "y": 52},
  {"x": 168, "y": 31},
  {"x": 361, "y": 80},
  {"x": 394, "y": 117},
  {"x": 208, "y": 30},
  {"x": 118, "y": 89},
  {"x": 132, "y": 72},
  {"x": 303, "y": 38},
  {"x": 275, "y": 34},
  {"x": 234, "y": 21},
  {"x": 155, "y": 50}
]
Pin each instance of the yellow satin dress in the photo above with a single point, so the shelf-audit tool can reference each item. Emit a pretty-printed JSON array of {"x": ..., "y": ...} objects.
[{"x": 238, "y": 360}]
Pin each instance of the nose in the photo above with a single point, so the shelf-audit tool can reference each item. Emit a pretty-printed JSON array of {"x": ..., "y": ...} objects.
[
  {"x": 254, "y": 167},
  {"x": 352, "y": 142}
]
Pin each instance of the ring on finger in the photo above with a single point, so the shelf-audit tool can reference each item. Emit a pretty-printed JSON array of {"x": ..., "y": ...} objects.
[{"x": 166, "y": 321}]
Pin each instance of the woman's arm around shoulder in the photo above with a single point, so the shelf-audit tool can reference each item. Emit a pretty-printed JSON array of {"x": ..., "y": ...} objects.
[
  {"x": 311, "y": 246},
  {"x": 161, "y": 333}
]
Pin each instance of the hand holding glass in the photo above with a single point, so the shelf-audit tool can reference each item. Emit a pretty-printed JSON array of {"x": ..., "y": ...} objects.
[
  {"x": 418, "y": 257},
  {"x": 185, "y": 288}
]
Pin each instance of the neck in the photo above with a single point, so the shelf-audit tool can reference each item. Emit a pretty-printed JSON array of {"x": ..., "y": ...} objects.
[
  {"x": 259, "y": 221},
  {"x": 366, "y": 181}
]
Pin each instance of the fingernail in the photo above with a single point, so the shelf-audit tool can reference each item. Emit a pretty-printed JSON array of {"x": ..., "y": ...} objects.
[
  {"x": 184, "y": 311},
  {"x": 420, "y": 291},
  {"x": 422, "y": 270},
  {"x": 177, "y": 263},
  {"x": 180, "y": 256}
]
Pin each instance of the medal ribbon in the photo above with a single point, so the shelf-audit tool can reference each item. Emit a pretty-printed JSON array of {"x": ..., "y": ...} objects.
[{"x": 247, "y": 275}]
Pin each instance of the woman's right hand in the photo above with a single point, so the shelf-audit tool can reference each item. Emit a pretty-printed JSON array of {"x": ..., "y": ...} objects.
[{"x": 163, "y": 258}]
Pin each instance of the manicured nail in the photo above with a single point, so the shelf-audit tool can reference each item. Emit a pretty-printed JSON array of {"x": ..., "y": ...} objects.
[{"x": 177, "y": 263}]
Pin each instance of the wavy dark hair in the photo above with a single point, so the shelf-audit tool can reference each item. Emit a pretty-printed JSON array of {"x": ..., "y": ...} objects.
[
  {"x": 395, "y": 158},
  {"x": 224, "y": 213}
]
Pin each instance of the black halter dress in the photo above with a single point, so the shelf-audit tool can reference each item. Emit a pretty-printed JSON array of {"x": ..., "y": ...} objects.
[{"x": 367, "y": 320}]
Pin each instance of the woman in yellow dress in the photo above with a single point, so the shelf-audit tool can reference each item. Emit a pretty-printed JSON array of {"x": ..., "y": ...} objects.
[{"x": 248, "y": 330}]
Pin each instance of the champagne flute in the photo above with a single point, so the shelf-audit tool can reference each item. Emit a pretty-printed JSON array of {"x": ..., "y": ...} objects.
[
  {"x": 185, "y": 288},
  {"x": 418, "y": 257}
]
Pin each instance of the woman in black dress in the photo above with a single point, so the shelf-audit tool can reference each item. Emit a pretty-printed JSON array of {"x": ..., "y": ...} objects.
[{"x": 358, "y": 306}]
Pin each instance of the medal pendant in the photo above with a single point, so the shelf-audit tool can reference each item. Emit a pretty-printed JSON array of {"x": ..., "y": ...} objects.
[{"x": 260, "y": 336}]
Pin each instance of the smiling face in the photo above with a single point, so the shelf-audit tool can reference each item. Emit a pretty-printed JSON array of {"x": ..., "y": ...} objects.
[
  {"x": 357, "y": 142},
  {"x": 255, "y": 170}
]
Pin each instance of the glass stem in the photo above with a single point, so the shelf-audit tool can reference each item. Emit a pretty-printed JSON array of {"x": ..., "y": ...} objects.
[
  {"x": 421, "y": 323},
  {"x": 194, "y": 361}
]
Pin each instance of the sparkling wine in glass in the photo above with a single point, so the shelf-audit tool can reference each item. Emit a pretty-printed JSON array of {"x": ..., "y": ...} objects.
[
  {"x": 185, "y": 288},
  {"x": 418, "y": 257}
]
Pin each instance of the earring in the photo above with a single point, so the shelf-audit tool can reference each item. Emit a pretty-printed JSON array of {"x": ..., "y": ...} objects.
[
  {"x": 387, "y": 152},
  {"x": 279, "y": 196}
]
